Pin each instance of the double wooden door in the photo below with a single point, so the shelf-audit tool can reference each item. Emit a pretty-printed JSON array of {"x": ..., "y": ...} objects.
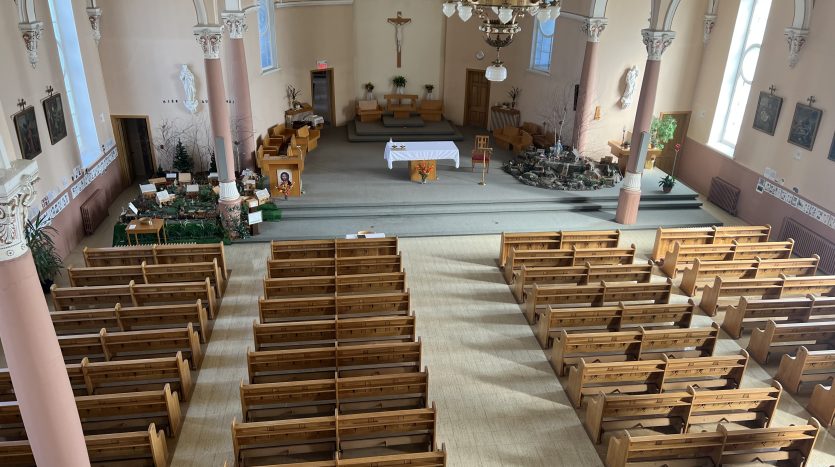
[{"x": 477, "y": 99}]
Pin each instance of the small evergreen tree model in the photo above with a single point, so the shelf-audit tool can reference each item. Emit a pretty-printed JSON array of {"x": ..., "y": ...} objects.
[{"x": 182, "y": 160}]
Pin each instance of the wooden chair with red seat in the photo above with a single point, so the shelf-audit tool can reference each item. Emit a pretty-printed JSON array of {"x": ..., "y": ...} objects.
[{"x": 482, "y": 152}]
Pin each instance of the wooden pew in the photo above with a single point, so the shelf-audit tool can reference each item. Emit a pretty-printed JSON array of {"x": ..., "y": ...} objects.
[
  {"x": 418, "y": 459},
  {"x": 109, "y": 413},
  {"x": 613, "y": 318},
  {"x": 565, "y": 258},
  {"x": 129, "y": 318},
  {"x": 118, "y": 256},
  {"x": 680, "y": 256},
  {"x": 766, "y": 288},
  {"x": 790, "y": 446},
  {"x": 319, "y": 398},
  {"x": 346, "y": 331},
  {"x": 705, "y": 271},
  {"x": 556, "y": 241},
  {"x": 302, "y": 249},
  {"x": 524, "y": 279},
  {"x": 364, "y": 284},
  {"x": 272, "y": 366},
  {"x": 67, "y": 298},
  {"x": 149, "y": 374},
  {"x": 310, "y": 267},
  {"x": 172, "y": 253},
  {"x": 401, "y": 431},
  {"x": 808, "y": 366},
  {"x": 349, "y": 248},
  {"x": 640, "y": 344},
  {"x": 681, "y": 410},
  {"x": 129, "y": 345},
  {"x": 594, "y": 295},
  {"x": 176, "y": 293},
  {"x": 355, "y": 265},
  {"x": 665, "y": 238},
  {"x": 753, "y": 313},
  {"x": 785, "y": 338},
  {"x": 148, "y": 274},
  {"x": 822, "y": 404},
  {"x": 145, "y": 448},
  {"x": 653, "y": 376},
  {"x": 329, "y": 307}
]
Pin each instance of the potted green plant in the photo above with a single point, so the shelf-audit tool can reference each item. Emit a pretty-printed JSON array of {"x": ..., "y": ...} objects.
[
  {"x": 47, "y": 261},
  {"x": 369, "y": 91},
  {"x": 667, "y": 183},
  {"x": 399, "y": 83},
  {"x": 429, "y": 89},
  {"x": 661, "y": 131}
]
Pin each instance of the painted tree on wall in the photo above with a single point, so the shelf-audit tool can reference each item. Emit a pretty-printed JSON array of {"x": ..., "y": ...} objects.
[{"x": 182, "y": 160}]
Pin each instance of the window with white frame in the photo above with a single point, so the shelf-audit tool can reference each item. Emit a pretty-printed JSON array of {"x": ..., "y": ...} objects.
[
  {"x": 543, "y": 45},
  {"x": 266, "y": 35},
  {"x": 75, "y": 80},
  {"x": 739, "y": 74}
]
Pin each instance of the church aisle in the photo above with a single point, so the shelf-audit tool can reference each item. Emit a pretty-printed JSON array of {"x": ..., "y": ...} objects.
[{"x": 498, "y": 401}]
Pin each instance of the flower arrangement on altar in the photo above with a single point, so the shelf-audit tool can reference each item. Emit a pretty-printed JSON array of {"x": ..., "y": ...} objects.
[{"x": 423, "y": 169}]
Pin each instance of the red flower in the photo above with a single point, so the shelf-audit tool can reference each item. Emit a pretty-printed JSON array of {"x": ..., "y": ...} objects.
[{"x": 678, "y": 147}]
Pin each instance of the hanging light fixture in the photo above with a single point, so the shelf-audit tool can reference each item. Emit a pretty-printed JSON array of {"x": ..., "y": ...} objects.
[{"x": 500, "y": 22}]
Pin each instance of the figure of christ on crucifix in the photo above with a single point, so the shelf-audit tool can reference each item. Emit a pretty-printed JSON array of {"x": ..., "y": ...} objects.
[{"x": 398, "y": 23}]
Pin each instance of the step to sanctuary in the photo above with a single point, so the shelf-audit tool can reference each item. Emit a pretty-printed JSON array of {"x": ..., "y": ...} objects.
[
  {"x": 377, "y": 131},
  {"x": 412, "y": 122}
]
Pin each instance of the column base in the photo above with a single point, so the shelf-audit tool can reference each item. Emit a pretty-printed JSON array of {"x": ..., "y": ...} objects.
[
  {"x": 230, "y": 217},
  {"x": 628, "y": 203}
]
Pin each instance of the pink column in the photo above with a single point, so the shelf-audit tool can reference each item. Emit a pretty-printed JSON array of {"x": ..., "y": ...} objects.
[
  {"x": 34, "y": 359},
  {"x": 243, "y": 99},
  {"x": 629, "y": 199},
  {"x": 209, "y": 38},
  {"x": 593, "y": 27}
]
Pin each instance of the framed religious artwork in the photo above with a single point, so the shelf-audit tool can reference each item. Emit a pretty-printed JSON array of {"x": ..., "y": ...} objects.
[
  {"x": 56, "y": 124},
  {"x": 832, "y": 150},
  {"x": 805, "y": 125},
  {"x": 26, "y": 127},
  {"x": 768, "y": 111}
]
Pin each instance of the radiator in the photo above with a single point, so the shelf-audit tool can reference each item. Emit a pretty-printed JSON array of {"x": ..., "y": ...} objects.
[
  {"x": 808, "y": 243},
  {"x": 94, "y": 212},
  {"x": 724, "y": 195}
]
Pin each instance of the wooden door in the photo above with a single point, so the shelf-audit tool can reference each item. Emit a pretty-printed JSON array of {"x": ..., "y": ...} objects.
[
  {"x": 476, "y": 99},
  {"x": 665, "y": 160},
  {"x": 321, "y": 85}
]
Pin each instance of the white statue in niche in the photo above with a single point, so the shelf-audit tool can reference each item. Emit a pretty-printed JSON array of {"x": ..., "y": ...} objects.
[
  {"x": 187, "y": 77},
  {"x": 631, "y": 81}
]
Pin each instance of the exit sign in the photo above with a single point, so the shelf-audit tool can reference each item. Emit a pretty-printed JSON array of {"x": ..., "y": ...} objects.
[{"x": 322, "y": 64}]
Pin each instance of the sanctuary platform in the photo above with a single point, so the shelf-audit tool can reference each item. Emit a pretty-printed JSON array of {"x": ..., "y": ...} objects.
[
  {"x": 349, "y": 188},
  {"x": 407, "y": 129}
]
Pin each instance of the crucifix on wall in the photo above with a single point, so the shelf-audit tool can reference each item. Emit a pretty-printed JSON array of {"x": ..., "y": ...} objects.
[{"x": 398, "y": 23}]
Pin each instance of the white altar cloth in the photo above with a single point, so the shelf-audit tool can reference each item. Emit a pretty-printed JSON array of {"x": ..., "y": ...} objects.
[{"x": 422, "y": 151}]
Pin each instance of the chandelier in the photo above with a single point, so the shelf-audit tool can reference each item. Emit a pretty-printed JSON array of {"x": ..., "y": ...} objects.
[{"x": 500, "y": 22}]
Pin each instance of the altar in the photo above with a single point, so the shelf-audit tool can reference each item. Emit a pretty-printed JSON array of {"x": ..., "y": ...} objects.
[{"x": 421, "y": 151}]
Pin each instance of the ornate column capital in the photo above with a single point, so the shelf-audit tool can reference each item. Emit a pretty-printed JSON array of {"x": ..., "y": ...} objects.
[
  {"x": 796, "y": 37},
  {"x": 17, "y": 192},
  {"x": 593, "y": 28},
  {"x": 31, "y": 33},
  {"x": 657, "y": 42},
  {"x": 94, "y": 15},
  {"x": 209, "y": 38},
  {"x": 710, "y": 22},
  {"x": 235, "y": 23}
]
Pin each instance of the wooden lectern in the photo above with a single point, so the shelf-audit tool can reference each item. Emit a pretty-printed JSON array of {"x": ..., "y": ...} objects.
[{"x": 274, "y": 167}]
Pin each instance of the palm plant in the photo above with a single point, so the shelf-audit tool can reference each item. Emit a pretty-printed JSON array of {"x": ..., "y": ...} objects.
[{"x": 47, "y": 261}]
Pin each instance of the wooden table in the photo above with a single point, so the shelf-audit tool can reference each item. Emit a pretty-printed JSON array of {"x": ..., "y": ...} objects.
[
  {"x": 623, "y": 156},
  {"x": 136, "y": 229}
]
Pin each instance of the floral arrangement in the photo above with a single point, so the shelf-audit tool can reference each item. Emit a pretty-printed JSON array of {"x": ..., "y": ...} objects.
[
  {"x": 423, "y": 169},
  {"x": 369, "y": 87},
  {"x": 514, "y": 94},
  {"x": 293, "y": 95},
  {"x": 399, "y": 81},
  {"x": 429, "y": 88}
]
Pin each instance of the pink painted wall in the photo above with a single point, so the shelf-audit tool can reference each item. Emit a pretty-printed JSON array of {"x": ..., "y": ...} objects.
[{"x": 809, "y": 171}]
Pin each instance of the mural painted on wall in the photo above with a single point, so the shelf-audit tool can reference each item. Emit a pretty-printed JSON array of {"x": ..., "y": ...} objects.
[
  {"x": 26, "y": 127},
  {"x": 805, "y": 125},
  {"x": 56, "y": 124},
  {"x": 768, "y": 111}
]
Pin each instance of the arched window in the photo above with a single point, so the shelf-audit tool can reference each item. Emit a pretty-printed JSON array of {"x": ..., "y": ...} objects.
[
  {"x": 266, "y": 35},
  {"x": 739, "y": 74},
  {"x": 543, "y": 45}
]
